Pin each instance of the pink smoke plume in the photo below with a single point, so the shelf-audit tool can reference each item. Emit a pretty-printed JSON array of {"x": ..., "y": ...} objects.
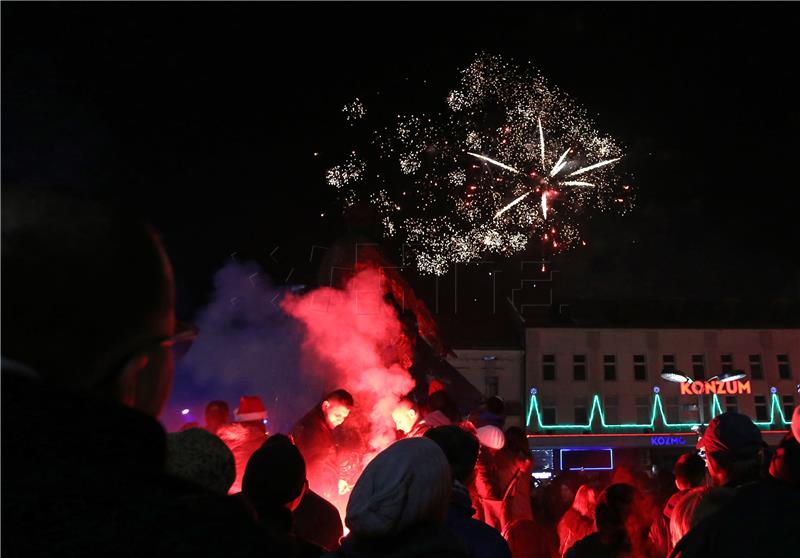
[{"x": 355, "y": 341}]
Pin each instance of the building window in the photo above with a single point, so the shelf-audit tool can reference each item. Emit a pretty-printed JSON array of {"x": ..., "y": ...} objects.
[
  {"x": 784, "y": 371},
  {"x": 761, "y": 408},
  {"x": 639, "y": 368},
  {"x": 698, "y": 367},
  {"x": 579, "y": 368},
  {"x": 549, "y": 415},
  {"x": 788, "y": 406},
  {"x": 727, "y": 363},
  {"x": 491, "y": 386},
  {"x": 609, "y": 368},
  {"x": 756, "y": 370},
  {"x": 672, "y": 409},
  {"x": 731, "y": 404},
  {"x": 611, "y": 410},
  {"x": 548, "y": 367},
  {"x": 643, "y": 410},
  {"x": 669, "y": 363},
  {"x": 690, "y": 412},
  {"x": 581, "y": 412}
]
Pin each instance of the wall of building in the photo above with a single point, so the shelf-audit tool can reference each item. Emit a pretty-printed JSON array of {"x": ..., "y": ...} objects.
[
  {"x": 495, "y": 372},
  {"x": 564, "y": 393}
]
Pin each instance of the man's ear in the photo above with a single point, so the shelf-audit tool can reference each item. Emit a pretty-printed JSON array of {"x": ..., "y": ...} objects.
[
  {"x": 127, "y": 382},
  {"x": 413, "y": 413},
  {"x": 326, "y": 405}
]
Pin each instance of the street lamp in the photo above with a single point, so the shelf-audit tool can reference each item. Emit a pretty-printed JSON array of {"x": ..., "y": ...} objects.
[{"x": 679, "y": 377}]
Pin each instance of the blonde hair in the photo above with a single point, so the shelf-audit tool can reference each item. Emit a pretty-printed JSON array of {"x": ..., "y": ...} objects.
[
  {"x": 683, "y": 516},
  {"x": 585, "y": 500}
]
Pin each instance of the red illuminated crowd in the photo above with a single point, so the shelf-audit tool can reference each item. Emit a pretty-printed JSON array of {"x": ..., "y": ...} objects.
[{"x": 88, "y": 328}]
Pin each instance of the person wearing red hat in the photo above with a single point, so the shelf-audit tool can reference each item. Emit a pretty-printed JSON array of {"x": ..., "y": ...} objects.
[
  {"x": 763, "y": 516},
  {"x": 733, "y": 450},
  {"x": 245, "y": 435}
]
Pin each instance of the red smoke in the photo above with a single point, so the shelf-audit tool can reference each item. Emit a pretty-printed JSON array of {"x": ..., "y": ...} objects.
[{"x": 355, "y": 341}]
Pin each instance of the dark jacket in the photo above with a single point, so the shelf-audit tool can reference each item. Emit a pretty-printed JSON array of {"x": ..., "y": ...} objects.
[
  {"x": 318, "y": 521},
  {"x": 763, "y": 519},
  {"x": 598, "y": 545},
  {"x": 425, "y": 541},
  {"x": 483, "y": 541},
  {"x": 314, "y": 438},
  {"x": 84, "y": 477}
]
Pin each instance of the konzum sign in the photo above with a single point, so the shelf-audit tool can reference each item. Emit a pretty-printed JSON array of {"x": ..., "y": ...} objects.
[{"x": 714, "y": 386}]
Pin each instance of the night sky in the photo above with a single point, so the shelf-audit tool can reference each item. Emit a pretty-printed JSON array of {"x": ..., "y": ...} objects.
[{"x": 205, "y": 118}]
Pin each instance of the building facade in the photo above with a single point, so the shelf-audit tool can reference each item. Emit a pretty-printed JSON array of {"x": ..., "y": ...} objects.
[
  {"x": 498, "y": 372},
  {"x": 578, "y": 372}
]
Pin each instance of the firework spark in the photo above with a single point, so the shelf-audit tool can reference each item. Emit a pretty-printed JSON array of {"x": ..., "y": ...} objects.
[
  {"x": 595, "y": 166},
  {"x": 492, "y": 161},
  {"x": 472, "y": 179},
  {"x": 512, "y": 204}
]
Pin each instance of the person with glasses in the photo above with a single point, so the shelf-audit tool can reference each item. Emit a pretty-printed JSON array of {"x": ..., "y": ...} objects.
[{"x": 88, "y": 336}]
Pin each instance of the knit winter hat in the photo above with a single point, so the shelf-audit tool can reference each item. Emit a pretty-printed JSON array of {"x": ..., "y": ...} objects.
[
  {"x": 406, "y": 484},
  {"x": 491, "y": 437},
  {"x": 202, "y": 458}
]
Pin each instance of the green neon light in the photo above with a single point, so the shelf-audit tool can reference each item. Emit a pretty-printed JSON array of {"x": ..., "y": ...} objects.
[{"x": 657, "y": 411}]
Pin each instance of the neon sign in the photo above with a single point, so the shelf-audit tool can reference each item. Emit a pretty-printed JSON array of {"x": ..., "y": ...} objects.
[
  {"x": 668, "y": 441},
  {"x": 533, "y": 418},
  {"x": 715, "y": 387}
]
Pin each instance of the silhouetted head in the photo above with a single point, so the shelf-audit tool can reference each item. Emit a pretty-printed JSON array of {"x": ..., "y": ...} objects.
[
  {"x": 460, "y": 447},
  {"x": 734, "y": 449},
  {"x": 217, "y": 414},
  {"x": 407, "y": 485},
  {"x": 275, "y": 476},
  {"x": 614, "y": 507},
  {"x": 88, "y": 298},
  {"x": 202, "y": 458},
  {"x": 689, "y": 471}
]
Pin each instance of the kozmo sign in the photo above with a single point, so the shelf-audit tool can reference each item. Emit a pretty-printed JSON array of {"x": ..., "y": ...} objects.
[{"x": 714, "y": 386}]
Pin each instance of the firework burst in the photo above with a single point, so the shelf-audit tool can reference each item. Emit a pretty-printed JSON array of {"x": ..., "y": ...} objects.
[{"x": 509, "y": 160}]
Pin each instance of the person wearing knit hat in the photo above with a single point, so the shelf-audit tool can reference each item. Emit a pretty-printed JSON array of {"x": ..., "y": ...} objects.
[
  {"x": 200, "y": 457},
  {"x": 399, "y": 503},
  {"x": 733, "y": 449}
]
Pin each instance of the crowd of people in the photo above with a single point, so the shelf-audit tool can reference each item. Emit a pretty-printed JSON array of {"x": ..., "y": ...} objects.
[{"x": 88, "y": 470}]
